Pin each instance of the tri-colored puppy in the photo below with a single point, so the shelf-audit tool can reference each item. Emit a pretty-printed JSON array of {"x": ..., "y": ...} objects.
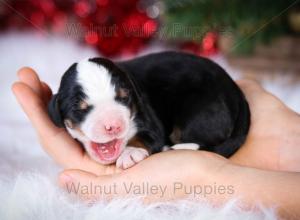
[{"x": 122, "y": 112}]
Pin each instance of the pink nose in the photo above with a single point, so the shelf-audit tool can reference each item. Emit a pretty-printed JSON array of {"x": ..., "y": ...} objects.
[{"x": 113, "y": 127}]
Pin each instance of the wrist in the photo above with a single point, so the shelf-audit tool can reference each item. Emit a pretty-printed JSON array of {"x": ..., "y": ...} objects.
[{"x": 221, "y": 179}]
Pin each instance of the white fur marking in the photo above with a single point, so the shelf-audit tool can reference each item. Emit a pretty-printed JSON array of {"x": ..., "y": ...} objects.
[
  {"x": 95, "y": 81},
  {"x": 186, "y": 146},
  {"x": 165, "y": 148}
]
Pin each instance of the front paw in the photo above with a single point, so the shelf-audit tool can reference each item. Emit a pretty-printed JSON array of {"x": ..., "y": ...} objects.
[{"x": 131, "y": 156}]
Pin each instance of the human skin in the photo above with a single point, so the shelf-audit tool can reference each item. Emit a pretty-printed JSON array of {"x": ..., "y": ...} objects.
[{"x": 264, "y": 170}]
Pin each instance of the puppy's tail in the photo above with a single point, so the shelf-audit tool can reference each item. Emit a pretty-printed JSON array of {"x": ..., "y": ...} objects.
[{"x": 238, "y": 135}]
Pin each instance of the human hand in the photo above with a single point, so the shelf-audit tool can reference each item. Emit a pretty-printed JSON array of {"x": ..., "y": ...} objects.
[
  {"x": 273, "y": 141},
  {"x": 197, "y": 175},
  {"x": 177, "y": 174}
]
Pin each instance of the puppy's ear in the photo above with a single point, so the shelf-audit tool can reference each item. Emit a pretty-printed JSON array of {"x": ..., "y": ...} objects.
[{"x": 54, "y": 111}]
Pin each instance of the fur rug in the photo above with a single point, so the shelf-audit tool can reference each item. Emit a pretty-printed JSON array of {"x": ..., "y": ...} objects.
[{"x": 28, "y": 186}]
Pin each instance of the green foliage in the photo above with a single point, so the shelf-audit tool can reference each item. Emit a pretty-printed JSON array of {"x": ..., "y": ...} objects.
[{"x": 250, "y": 21}]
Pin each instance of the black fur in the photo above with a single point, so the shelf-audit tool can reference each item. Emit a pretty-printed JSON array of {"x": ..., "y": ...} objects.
[
  {"x": 168, "y": 90},
  {"x": 65, "y": 104},
  {"x": 54, "y": 111}
]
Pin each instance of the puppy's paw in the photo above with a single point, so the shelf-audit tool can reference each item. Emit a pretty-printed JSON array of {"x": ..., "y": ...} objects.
[{"x": 131, "y": 156}]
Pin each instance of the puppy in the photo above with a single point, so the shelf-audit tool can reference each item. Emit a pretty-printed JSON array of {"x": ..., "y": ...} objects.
[{"x": 122, "y": 112}]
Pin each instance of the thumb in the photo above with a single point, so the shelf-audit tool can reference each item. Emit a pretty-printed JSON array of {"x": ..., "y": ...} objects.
[
  {"x": 86, "y": 185},
  {"x": 250, "y": 87}
]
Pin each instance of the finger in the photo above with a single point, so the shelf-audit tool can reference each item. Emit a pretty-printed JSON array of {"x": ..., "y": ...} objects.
[
  {"x": 34, "y": 108},
  {"x": 56, "y": 141},
  {"x": 47, "y": 92},
  {"x": 29, "y": 77},
  {"x": 249, "y": 86},
  {"x": 251, "y": 89}
]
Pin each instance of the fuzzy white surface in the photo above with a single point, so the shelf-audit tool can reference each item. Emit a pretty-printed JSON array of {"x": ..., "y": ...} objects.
[{"x": 28, "y": 176}]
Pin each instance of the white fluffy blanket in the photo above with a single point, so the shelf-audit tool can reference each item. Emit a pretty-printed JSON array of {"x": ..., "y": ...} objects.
[{"x": 28, "y": 188}]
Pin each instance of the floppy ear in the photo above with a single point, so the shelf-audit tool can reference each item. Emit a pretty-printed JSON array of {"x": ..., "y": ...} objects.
[{"x": 54, "y": 111}]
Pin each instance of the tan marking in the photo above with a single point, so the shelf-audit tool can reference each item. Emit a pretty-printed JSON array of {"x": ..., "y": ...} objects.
[
  {"x": 133, "y": 110},
  {"x": 122, "y": 93},
  {"x": 69, "y": 123},
  {"x": 83, "y": 105},
  {"x": 175, "y": 135}
]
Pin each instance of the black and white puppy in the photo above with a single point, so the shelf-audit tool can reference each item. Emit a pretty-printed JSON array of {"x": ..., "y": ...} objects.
[{"x": 122, "y": 112}]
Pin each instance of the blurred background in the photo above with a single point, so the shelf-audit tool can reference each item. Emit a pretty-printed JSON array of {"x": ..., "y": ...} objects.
[
  {"x": 259, "y": 30},
  {"x": 254, "y": 39}
]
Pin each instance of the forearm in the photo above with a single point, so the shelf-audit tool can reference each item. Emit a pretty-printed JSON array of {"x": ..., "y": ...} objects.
[{"x": 270, "y": 188}]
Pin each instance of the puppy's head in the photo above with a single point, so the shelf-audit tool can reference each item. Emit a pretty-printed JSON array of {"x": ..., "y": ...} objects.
[{"x": 96, "y": 104}]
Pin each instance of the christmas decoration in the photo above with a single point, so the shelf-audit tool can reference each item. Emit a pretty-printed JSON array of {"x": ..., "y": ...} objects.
[
  {"x": 114, "y": 27},
  {"x": 248, "y": 23},
  {"x": 207, "y": 47},
  {"x": 122, "y": 27}
]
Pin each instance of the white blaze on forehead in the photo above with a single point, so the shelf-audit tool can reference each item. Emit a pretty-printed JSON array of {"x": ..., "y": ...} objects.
[{"x": 95, "y": 81}]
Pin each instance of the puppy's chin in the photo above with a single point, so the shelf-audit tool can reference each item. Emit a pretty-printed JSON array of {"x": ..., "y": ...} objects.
[{"x": 105, "y": 153}]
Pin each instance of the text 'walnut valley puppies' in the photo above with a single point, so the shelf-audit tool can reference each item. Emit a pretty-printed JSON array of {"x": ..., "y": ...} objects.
[{"x": 122, "y": 112}]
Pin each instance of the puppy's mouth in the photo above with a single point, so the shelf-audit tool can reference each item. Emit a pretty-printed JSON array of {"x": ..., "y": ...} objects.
[{"x": 109, "y": 151}]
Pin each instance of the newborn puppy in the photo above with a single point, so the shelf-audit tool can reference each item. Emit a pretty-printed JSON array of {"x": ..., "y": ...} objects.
[{"x": 122, "y": 112}]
